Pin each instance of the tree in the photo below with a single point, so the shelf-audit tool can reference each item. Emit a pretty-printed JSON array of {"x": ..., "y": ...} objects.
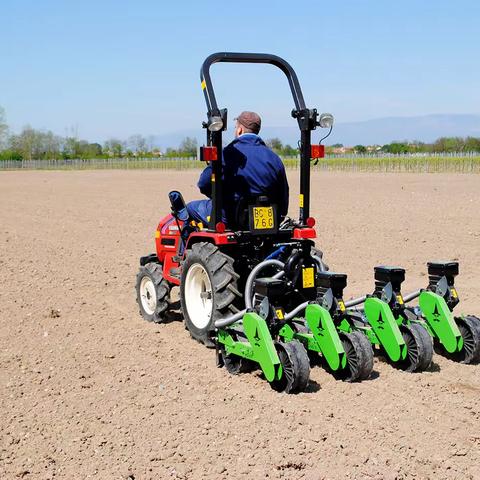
[
  {"x": 396, "y": 147},
  {"x": 33, "y": 144},
  {"x": 360, "y": 149},
  {"x": 449, "y": 144},
  {"x": 3, "y": 127},
  {"x": 275, "y": 144},
  {"x": 188, "y": 146},
  {"x": 137, "y": 143},
  {"x": 416, "y": 146},
  {"x": 94, "y": 150},
  {"x": 288, "y": 150},
  {"x": 26, "y": 143},
  {"x": 50, "y": 145},
  {"x": 10, "y": 155},
  {"x": 171, "y": 152},
  {"x": 114, "y": 147},
  {"x": 472, "y": 144}
]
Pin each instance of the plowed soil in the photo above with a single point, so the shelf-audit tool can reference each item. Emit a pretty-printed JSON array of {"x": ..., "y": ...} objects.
[{"x": 90, "y": 390}]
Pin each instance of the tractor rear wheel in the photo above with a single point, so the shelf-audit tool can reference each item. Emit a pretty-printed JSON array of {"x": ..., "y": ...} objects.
[
  {"x": 208, "y": 290},
  {"x": 469, "y": 327},
  {"x": 295, "y": 366},
  {"x": 152, "y": 292},
  {"x": 419, "y": 348},
  {"x": 318, "y": 253},
  {"x": 359, "y": 357}
]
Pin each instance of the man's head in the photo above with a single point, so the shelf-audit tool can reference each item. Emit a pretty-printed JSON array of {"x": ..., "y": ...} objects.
[{"x": 247, "y": 122}]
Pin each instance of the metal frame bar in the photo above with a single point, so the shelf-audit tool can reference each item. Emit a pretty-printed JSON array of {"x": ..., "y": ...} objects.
[{"x": 307, "y": 121}]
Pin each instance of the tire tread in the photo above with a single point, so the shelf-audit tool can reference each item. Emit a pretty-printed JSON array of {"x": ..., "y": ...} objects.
[{"x": 224, "y": 286}]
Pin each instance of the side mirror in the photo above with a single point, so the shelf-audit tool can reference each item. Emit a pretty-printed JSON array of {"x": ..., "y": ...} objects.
[{"x": 179, "y": 207}]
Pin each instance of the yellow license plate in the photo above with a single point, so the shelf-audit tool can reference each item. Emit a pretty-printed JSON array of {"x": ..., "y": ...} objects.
[{"x": 263, "y": 218}]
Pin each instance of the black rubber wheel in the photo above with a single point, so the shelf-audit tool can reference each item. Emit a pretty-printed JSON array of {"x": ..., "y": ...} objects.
[
  {"x": 359, "y": 352},
  {"x": 419, "y": 348},
  {"x": 152, "y": 292},
  {"x": 296, "y": 367},
  {"x": 469, "y": 327},
  {"x": 299, "y": 326},
  {"x": 208, "y": 290},
  {"x": 315, "y": 251},
  {"x": 236, "y": 365}
]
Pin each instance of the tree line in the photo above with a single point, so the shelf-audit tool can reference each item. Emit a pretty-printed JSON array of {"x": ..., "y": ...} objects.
[
  {"x": 31, "y": 143},
  {"x": 442, "y": 144}
]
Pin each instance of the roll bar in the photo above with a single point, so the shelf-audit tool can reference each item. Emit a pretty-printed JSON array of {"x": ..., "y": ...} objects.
[
  {"x": 230, "y": 57},
  {"x": 306, "y": 118}
]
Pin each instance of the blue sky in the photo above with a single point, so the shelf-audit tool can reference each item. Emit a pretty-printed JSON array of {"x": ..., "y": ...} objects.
[{"x": 115, "y": 68}]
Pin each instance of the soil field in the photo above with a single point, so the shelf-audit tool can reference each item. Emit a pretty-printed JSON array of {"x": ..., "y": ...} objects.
[{"x": 90, "y": 390}]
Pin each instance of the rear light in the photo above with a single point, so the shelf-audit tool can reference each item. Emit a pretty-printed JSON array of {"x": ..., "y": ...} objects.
[
  {"x": 208, "y": 154},
  {"x": 310, "y": 222},
  {"x": 300, "y": 233},
  {"x": 220, "y": 227},
  {"x": 317, "y": 151}
]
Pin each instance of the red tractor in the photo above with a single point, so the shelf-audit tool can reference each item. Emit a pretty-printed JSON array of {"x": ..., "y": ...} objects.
[{"x": 211, "y": 265}]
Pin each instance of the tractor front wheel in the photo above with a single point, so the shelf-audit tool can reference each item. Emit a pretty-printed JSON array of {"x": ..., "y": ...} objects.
[
  {"x": 208, "y": 290},
  {"x": 152, "y": 292}
]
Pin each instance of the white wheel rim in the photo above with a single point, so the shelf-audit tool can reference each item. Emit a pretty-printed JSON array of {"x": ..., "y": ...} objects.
[
  {"x": 148, "y": 295},
  {"x": 198, "y": 296}
]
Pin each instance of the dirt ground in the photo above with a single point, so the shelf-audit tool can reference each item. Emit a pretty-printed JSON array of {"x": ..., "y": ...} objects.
[{"x": 90, "y": 390}]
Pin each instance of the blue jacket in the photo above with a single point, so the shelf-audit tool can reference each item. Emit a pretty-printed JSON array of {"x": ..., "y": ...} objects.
[{"x": 249, "y": 168}]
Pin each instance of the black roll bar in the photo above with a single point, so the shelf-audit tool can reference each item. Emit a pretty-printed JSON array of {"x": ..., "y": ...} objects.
[
  {"x": 279, "y": 62},
  {"x": 306, "y": 118}
]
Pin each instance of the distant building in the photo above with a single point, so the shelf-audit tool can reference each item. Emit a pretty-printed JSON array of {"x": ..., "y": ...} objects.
[{"x": 342, "y": 150}]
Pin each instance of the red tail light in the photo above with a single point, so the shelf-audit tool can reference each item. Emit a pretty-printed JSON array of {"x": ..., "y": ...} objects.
[
  {"x": 304, "y": 233},
  {"x": 220, "y": 227},
  {"x": 208, "y": 154},
  {"x": 310, "y": 222},
  {"x": 317, "y": 151}
]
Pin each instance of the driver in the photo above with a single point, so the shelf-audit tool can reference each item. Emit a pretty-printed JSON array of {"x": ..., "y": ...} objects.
[{"x": 250, "y": 169}]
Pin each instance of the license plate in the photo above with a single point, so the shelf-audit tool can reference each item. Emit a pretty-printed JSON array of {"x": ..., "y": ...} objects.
[{"x": 263, "y": 218}]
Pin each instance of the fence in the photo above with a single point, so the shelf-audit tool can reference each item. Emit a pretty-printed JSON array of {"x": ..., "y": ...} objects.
[{"x": 462, "y": 162}]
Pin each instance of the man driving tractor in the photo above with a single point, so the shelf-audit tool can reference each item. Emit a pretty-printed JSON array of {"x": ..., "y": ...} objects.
[{"x": 250, "y": 169}]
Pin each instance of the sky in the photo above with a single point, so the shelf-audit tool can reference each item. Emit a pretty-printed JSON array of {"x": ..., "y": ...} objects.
[{"x": 103, "y": 69}]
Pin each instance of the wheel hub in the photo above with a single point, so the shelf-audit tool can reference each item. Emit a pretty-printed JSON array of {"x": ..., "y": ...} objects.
[
  {"x": 198, "y": 296},
  {"x": 148, "y": 295}
]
